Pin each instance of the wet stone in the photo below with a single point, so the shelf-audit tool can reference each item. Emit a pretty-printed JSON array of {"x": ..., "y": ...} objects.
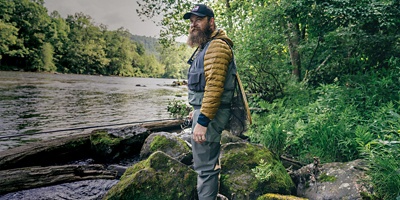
[{"x": 84, "y": 190}]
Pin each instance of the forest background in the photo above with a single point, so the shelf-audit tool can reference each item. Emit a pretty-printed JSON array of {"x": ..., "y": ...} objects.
[{"x": 323, "y": 76}]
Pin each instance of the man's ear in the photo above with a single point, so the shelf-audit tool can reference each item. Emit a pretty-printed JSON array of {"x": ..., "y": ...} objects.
[{"x": 212, "y": 22}]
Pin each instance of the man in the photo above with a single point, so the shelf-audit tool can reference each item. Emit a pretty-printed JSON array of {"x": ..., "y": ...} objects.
[{"x": 211, "y": 81}]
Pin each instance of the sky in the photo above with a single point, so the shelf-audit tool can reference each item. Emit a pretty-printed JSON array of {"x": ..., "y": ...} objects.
[{"x": 112, "y": 13}]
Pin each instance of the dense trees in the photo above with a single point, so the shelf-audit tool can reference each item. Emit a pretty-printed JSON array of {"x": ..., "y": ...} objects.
[
  {"x": 325, "y": 74},
  {"x": 32, "y": 40}
]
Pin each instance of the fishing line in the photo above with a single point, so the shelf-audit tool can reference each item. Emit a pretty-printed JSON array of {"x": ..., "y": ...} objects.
[{"x": 82, "y": 128}]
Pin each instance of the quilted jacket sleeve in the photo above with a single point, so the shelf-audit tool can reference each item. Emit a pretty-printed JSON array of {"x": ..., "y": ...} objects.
[{"x": 216, "y": 62}]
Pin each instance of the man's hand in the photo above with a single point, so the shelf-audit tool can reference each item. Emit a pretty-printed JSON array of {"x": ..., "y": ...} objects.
[{"x": 199, "y": 133}]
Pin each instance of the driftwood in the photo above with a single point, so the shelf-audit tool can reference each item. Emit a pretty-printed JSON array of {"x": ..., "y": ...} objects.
[
  {"x": 75, "y": 147},
  {"x": 33, "y": 177},
  {"x": 45, "y": 153},
  {"x": 41, "y": 163}
]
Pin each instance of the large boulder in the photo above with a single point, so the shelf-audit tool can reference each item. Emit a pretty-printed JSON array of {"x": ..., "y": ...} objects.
[
  {"x": 333, "y": 181},
  {"x": 159, "y": 177},
  {"x": 169, "y": 144},
  {"x": 240, "y": 165}
]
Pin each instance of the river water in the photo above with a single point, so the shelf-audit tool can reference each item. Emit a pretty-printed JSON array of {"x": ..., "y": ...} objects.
[{"x": 32, "y": 103}]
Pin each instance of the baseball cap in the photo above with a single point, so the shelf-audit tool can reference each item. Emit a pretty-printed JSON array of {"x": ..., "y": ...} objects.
[{"x": 199, "y": 10}]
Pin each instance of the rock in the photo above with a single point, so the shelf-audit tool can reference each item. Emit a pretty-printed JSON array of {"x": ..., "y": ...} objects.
[
  {"x": 84, "y": 190},
  {"x": 167, "y": 143},
  {"x": 159, "y": 177},
  {"x": 109, "y": 145},
  {"x": 333, "y": 181},
  {"x": 270, "y": 196},
  {"x": 186, "y": 135},
  {"x": 228, "y": 137},
  {"x": 238, "y": 181},
  {"x": 117, "y": 168}
]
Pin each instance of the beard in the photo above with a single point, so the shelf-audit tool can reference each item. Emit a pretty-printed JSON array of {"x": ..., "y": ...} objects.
[{"x": 197, "y": 36}]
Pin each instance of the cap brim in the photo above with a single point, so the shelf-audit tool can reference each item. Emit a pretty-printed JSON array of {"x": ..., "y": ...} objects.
[{"x": 188, "y": 14}]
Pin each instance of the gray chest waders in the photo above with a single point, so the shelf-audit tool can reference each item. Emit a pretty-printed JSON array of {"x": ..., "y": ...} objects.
[{"x": 206, "y": 155}]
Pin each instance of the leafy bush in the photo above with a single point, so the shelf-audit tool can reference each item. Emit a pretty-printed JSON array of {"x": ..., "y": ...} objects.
[
  {"x": 178, "y": 108},
  {"x": 355, "y": 117},
  {"x": 379, "y": 143}
]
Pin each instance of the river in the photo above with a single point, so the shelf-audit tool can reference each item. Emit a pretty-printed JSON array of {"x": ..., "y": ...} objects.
[{"x": 32, "y": 103}]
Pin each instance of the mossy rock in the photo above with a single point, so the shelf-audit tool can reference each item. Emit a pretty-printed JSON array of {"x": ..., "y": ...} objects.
[
  {"x": 159, "y": 177},
  {"x": 271, "y": 196},
  {"x": 104, "y": 145},
  {"x": 167, "y": 143},
  {"x": 112, "y": 144},
  {"x": 239, "y": 181},
  {"x": 227, "y": 137}
]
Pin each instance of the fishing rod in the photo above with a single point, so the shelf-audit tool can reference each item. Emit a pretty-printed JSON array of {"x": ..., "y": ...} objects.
[{"x": 82, "y": 128}]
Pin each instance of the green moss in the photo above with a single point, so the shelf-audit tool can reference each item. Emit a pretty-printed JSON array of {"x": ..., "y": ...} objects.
[
  {"x": 77, "y": 143},
  {"x": 102, "y": 137},
  {"x": 155, "y": 179},
  {"x": 326, "y": 178},
  {"x": 160, "y": 142},
  {"x": 238, "y": 161},
  {"x": 245, "y": 158},
  {"x": 278, "y": 197}
]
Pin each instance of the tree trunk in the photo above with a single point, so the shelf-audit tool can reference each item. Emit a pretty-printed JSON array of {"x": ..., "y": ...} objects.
[
  {"x": 293, "y": 40},
  {"x": 33, "y": 177}
]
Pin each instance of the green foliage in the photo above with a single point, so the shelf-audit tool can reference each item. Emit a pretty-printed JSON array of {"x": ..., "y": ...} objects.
[
  {"x": 264, "y": 171},
  {"x": 172, "y": 22},
  {"x": 380, "y": 145},
  {"x": 46, "y": 59},
  {"x": 178, "y": 108},
  {"x": 32, "y": 40},
  {"x": 175, "y": 63},
  {"x": 8, "y": 38},
  {"x": 146, "y": 44},
  {"x": 356, "y": 117}
]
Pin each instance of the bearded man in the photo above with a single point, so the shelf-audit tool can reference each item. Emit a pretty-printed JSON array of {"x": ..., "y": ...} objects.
[{"x": 211, "y": 83}]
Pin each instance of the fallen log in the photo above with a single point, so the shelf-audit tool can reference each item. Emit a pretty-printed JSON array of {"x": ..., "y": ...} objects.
[
  {"x": 32, "y": 177},
  {"x": 163, "y": 125},
  {"x": 76, "y": 147}
]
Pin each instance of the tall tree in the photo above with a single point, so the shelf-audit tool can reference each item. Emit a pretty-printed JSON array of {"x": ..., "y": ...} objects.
[
  {"x": 32, "y": 20},
  {"x": 86, "y": 47},
  {"x": 121, "y": 52},
  {"x": 58, "y": 37},
  {"x": 8, "y": 38}
]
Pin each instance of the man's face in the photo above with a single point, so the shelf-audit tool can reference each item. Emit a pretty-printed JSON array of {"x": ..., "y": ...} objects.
[
  {"x": 198, "y": 24},
  {"x": 200, "y": 30}
]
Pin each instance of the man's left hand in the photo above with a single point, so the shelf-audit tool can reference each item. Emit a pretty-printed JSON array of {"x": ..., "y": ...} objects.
[{"x": 199, "y": 133}]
